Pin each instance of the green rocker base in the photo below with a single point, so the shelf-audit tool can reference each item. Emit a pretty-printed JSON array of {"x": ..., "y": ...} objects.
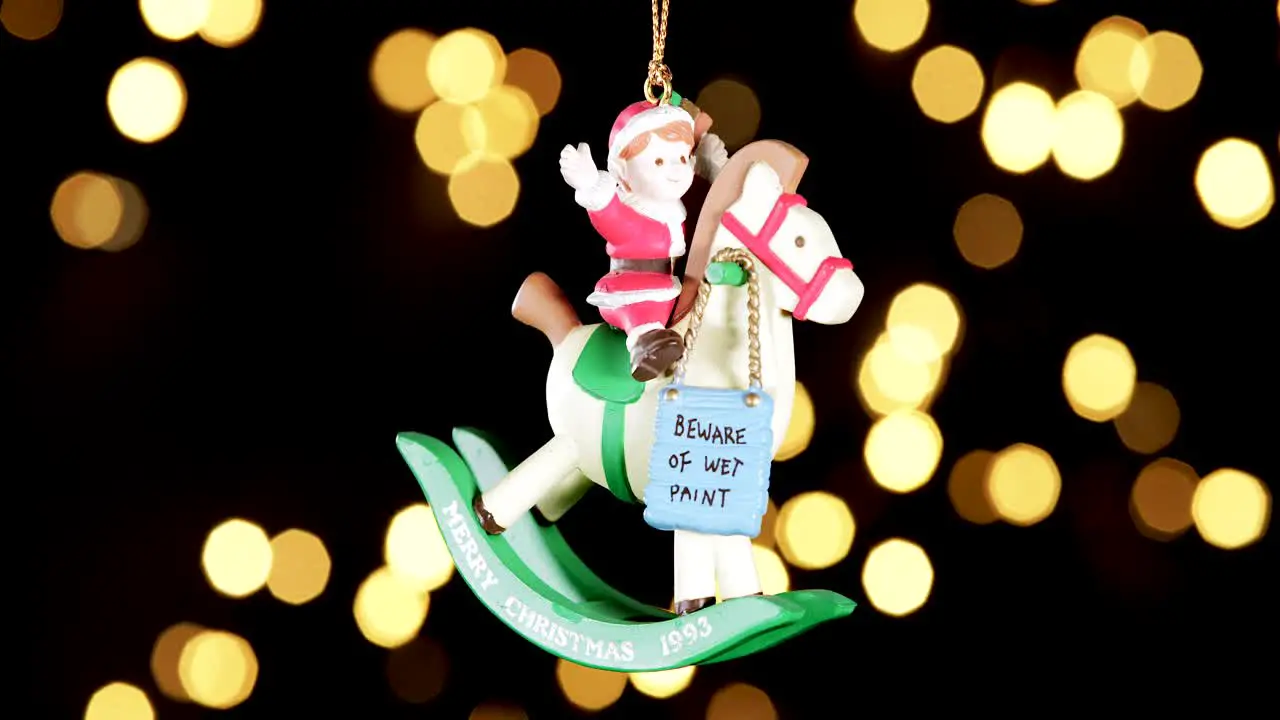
[{"x": 537, "y": 585}]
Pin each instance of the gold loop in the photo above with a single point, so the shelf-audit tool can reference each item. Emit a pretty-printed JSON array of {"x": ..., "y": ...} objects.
[
  {"x": 663, "y": 82},
  {"x": 754, "y": 367}
]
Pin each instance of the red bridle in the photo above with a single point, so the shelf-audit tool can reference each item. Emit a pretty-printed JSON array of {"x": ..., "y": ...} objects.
[{"x": 758, "y": 243}]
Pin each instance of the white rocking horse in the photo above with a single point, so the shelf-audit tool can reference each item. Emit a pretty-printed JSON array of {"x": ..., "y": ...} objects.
[
  {"x": 796, "y": 257},
  {"x": 604, "y": 421}
]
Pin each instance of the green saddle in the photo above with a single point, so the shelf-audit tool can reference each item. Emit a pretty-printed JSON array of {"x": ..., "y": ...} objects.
[{"x": 603, "y": 369}]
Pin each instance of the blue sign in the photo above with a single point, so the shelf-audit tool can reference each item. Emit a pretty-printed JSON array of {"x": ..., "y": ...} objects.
[{"x": 709, "y": 469}]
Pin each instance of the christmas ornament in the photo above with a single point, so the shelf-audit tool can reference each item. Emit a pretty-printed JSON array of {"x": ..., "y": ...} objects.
[{"x": 695, "y": 444}]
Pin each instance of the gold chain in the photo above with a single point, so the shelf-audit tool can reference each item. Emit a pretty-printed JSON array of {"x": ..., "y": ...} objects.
[
  {"x": 744, "y": 259},
  {"x": 659, "y": 74}
]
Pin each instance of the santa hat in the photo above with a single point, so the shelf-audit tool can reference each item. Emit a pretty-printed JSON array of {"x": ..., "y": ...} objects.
[{"x": 640, "y": 118}]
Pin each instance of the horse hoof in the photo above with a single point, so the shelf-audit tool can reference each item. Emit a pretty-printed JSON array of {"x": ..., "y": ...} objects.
[
  {"x": 487, "y": 522},
  {"x": 684, "y": 607}
]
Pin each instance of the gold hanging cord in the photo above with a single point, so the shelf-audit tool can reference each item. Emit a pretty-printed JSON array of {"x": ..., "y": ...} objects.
[
  {"x": 743, "y": 258},
  {"x": 659, "y": 75}
]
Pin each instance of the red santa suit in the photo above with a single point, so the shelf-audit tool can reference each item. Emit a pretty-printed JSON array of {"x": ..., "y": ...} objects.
[{"x": 642, "y": 237}]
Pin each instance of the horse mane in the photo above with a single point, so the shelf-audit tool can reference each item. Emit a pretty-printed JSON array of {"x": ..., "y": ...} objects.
[{"x": 785, "y": 159}]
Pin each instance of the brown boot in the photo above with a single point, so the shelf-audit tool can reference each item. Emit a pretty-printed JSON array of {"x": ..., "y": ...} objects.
[{"x": 654, "y": 352}]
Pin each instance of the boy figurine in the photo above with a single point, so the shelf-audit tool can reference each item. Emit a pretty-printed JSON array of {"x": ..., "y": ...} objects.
[{"x": 636, "y": 205}]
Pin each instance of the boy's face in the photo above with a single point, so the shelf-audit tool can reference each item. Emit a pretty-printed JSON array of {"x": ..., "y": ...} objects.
[{"x": 662, "y": 171}]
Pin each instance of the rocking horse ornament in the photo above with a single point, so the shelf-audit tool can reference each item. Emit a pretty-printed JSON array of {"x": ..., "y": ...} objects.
[{"x": 679, "y": 411}]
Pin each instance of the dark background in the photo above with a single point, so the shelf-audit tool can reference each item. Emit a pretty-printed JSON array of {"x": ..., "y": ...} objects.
[{"x": 302, "y": 293}]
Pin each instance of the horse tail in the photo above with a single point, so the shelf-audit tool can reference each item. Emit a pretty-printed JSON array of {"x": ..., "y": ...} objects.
[{"x": 541, "y": 304}]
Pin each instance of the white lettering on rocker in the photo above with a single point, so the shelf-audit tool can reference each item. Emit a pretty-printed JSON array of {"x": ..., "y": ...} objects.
[
  {"x": 552, "y": 632},
  {"x": 675, "y": 640},
  {"x": 469, "y": 548}
]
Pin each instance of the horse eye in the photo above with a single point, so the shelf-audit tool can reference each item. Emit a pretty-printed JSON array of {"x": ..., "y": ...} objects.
[
  {"x": 799, "y": 241},
  {"x": 657, "y": 161}
]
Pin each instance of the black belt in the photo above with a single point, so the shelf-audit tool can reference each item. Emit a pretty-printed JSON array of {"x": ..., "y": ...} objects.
[{"x": 664, "y": 265}]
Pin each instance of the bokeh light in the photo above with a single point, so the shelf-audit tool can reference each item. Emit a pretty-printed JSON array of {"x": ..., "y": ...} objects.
[
  {"x": 1112, "y": 61},
  {"x": 897, "y": 577},
  {"x": 902, "y": 450},
  {"x": 174, "y": 19},
  {"x": 1099, "y": 377},
  {"x": 815, "y": 530},
  {"x": 398, "y": 70},
  {"x": 1089, "y": 135},
  {"x": 923, "y": 322},
  {"x": 500, "y": 125},
  {"x": 30, "y": 19},
  {"x": 967, "y": 487},
  {"x": 415, "y": 550},
  {"x": 231, "y": 22},
  {"x": 440, "y": 138},
  {"x": 495, "y": 710},
  {"x": 800, "y": 428},
  {"x": 774, "y": 578},
  {"x": 1018, "y": 127},
  {"x": 418, "y": 671},
  {"x": 119, "y": 701},
  {"x": 218, "y": 669},
  {"x": 465, "y": 64},
  {"x": 988, "y": 231},
  {"x": 735, "y": 109},
  {"x": 166, "y": 655},
  {"x": 1023, "y": 484},
  {"x": 1231, "y": 508},
  {"x": 389, "y": 611},
  {"x": 901, "y": 377},
  {"x": 740, "y": 701},
  {"x": 1150, "y": 422},
  {"x": 891, "y": 25},
  {"x": 535, "y": 73},
  {"x": 92, "y": 210},
  {"x": 484, "y": 192},
  {"x": 889, "y": 381},
  {"x": 1167, "y": 71},
  {"x": 663, "y": 683},
  {"x": 1161, "y": 499},
  {"x": 947, "y": 83},
  {"x": 146, "y": 100},
  {"x": 299, "y": 568},
  {"x": 588, "y": 688},
  {"x": 1235, "y": 183},
  {"x": 237, "y": 558}
]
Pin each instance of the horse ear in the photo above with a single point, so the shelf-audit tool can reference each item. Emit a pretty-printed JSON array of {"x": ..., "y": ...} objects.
[
  {"x": 762, "y": 182},
  {"x": 760, "y": 190}
]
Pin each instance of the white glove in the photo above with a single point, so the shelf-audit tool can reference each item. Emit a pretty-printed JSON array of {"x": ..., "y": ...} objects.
[
  {"x": 577, "y": 167},
  {"x": 711, "y": 156}
]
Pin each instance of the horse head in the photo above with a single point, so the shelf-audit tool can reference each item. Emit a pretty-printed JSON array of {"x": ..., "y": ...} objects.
[{"x": 812, "y": 279}]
